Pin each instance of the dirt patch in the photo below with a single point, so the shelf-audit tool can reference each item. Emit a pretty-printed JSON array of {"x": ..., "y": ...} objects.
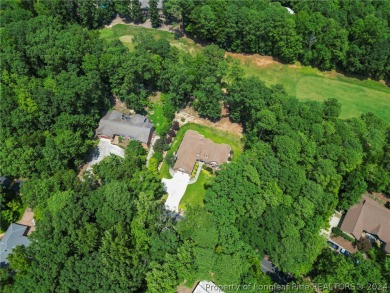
[
  {"x": 28, "y": 220},
  {"x": 126, "y": 39},
  {"x": 121, "y": 106},
  {"x": 224, "y": 124},
  {"x": 155, "y": 98},
  {"x": 146, "y": 24},
  {"x": 116, "y": 20},
  {"x": 260, "y": 61},
  {"x": 294, "y": 66},
  {"x": 182, "y": 289}
]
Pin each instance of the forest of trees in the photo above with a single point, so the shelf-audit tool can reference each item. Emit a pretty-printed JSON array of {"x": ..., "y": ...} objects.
[
  {"x": 110, "y": 231},
  {"x": 348, "y": 35}
]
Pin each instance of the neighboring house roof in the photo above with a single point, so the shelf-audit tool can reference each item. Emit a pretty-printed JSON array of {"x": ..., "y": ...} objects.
[
  {"x": 14, "y": 236},
  {"x": 5, "y": 181},
  {"x": 368, "y": 216},
  {"x": 196, "y": 147},
  {"x": 206, "y": 287},
  {"x": 135, "y": 126},
  {"x": 145, "y": 4}
]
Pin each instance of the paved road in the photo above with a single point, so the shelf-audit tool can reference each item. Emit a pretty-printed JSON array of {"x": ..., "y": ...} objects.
[
  {"x": 280, "y": 278},
  {"x": 267, "y": 266}
]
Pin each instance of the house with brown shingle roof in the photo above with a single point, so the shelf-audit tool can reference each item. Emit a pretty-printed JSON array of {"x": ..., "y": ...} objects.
[
  {"x": 195, "y": 147},
  {"x": 368, "y": 216}
]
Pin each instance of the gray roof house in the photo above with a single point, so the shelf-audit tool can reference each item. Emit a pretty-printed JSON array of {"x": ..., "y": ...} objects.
[
  {"x": 15, "y": 235},
  {"x": 145, "y": 4},
  {"x": 134, "y": 126}
]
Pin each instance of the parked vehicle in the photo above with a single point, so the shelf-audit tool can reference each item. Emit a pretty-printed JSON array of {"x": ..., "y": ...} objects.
[
  {"x": 333, "y": 245},
  {"x": 345, "y": 252}
]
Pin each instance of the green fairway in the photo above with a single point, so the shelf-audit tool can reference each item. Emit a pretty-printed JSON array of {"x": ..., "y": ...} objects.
[
  {"x": 195, "y": 192},
  {"x": 125, "y": 34},
  {"x": 306, "y": 83}
]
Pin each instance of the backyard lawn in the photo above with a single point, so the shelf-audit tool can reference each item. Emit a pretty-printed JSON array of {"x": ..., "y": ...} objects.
[
  {"x": 195, "y": 192},
  {"x": 156, "y": 115},
  {"x": 306, "y": 83}
]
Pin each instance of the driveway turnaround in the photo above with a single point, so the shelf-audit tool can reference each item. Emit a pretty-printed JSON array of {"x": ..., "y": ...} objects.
[
  {"x": 103, "y": 150},
  {"x": 175, "y": 187}
]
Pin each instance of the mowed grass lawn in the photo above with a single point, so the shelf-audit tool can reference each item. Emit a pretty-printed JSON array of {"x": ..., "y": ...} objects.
[
  {"x": 307, "y": 83},
  {"x": 195, "y": 193},
  {"x": 156, "y": 115},
  {"x": 125, "y": 33}
]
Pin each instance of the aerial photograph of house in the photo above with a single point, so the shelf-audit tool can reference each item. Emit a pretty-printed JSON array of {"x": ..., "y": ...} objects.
[
  {"x": 194, "y": 148},
  {"x": 134, "y": 126},
  {"x": 368, "y": 218}
]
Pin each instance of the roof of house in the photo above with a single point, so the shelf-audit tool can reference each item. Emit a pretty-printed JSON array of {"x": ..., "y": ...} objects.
[
  {"x": 14, "y": 236},
  {"x": 5, "y": 181},
  {"x": 206, "y": 287},
  {"x": 145, "y": 4},
  {"x": 196, "y": 147},
  {"x": 368, "y": 216},
  {"x": 135, "y": 126}
]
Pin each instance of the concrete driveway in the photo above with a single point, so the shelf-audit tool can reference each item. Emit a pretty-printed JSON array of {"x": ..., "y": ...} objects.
[
  {"x": 175, "y": 187},
  {"x": 103, "y": 150}
]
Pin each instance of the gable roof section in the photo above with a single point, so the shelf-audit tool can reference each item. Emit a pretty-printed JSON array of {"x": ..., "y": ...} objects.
[
  {"x": 135, "y": 126},
  {"x": 196, "y": 147},
  {"x": 368, "y": 216},
  {"x": 14, "y": 236}
]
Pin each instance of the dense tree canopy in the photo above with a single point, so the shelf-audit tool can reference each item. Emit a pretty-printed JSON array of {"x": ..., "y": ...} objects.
[
  {"x": 353, "y": 36},
  {"x": 110, "y": 231}
]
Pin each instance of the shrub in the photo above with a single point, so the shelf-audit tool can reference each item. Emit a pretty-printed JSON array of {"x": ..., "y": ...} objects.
[
  {"x": 164, "y": 130},
  {"x": 172, "y": 133},
  {"x": 170, "y": 159},
  {"x": 175, "y": 125},
  {"x": 168, "y": 140},
  {"x": 209, "y": 169},
  {"x": 363, "y": 244},
  {"x": 158, "y": 156},
  {"x": 134, "y": 149},
  {"x": 182, "y": 119},
  {"x": 337, "y": 232},
  {"x": 161, "y": 145}
]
